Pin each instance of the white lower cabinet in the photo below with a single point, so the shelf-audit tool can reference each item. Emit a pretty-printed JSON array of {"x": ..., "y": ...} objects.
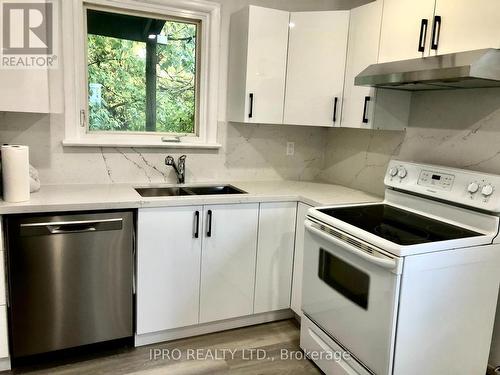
[
  {"x": 298, "y": 258},
  {"x": 168, "y": 268},
  {"x": 228, "y": 261},
  {"x": 4, "y": 333},
  {"x": 276, "y": 239},
  {"x": 202, "y": 264}
]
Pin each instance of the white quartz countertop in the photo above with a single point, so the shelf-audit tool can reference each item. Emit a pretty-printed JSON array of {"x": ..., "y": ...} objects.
[{"x": 52, "y": 198}]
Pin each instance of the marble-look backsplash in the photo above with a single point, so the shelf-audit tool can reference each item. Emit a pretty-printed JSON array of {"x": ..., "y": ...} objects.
[
  {"x": 459, "y": 128},
  {"x": 249, "y": 152}
]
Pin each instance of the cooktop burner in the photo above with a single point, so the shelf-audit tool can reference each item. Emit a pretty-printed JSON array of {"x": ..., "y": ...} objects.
[{"x": 398, "y": 226}]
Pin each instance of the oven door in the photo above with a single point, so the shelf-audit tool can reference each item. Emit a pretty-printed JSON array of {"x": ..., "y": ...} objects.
[{"x": 351, "y": 291}]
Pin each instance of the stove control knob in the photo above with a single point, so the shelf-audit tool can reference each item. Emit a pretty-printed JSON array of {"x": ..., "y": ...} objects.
[
  {"x": 402, "y": 172},
  {"x": 393, "y": 172},
  {"x": 487, "y": 190},
  {"x": 473, "y": 187}
]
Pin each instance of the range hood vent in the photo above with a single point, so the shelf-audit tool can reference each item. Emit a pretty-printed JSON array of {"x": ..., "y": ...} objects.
[{"x": 471, "y": 69}]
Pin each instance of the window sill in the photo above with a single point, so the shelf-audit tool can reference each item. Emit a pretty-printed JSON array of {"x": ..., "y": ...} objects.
[{"x": 143, "y": 144}]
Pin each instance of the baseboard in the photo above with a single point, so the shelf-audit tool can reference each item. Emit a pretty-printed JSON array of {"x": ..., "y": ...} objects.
[
  {"x": 4, "y": 364},
  {"x": 202, "y": 329}
]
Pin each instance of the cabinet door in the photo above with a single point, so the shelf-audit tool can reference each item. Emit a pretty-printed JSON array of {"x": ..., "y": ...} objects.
[
  {"x": 4, "y": 333},
  {"x": 266, "y": 64},
  {"x": 228, "y": 261},
  {"x": 298, "y": 260},
  {"x": 467, "y": 25},
  {"x": 24, "y": 90},
  {"x": 276, "y": 238},
  {"x": 168, "y": 268},
  {"x": 401, "y": 26},
  {"x": 316, "y": 67},
  {"x": 362, "y": 51}
]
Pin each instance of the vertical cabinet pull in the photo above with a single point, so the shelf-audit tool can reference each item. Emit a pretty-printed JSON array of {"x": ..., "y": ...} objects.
[
  {"x": 196, "y": 229},
  {"x": 209, "y": 223},
  {"x": 436, "y": 31},
  {"x": 250, "y": 113},
  {"x": 335, "y": 102},
  {"x": 423, "y": 35},
  {"x": 365, "y": 110}
]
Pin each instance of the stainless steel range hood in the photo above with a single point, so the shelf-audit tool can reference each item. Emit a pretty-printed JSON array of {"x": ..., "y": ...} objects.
[{"x": 471, "y": 69}]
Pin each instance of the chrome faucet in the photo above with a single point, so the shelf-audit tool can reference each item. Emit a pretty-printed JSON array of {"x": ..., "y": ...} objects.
[{"x": 179, "y": 168}]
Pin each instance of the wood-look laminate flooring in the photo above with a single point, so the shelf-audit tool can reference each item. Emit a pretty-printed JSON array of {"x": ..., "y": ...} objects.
[{"x": 228, "y": 352}]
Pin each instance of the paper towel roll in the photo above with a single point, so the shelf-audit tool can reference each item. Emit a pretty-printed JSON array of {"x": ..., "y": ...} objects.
[{"x": 15, "y": 173}]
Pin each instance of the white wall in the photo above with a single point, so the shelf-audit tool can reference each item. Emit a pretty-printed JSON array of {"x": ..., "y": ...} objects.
[{"x": 249, "y": 152}]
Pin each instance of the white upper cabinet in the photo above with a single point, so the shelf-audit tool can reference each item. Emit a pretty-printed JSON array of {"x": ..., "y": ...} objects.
[
  {"x": 24, "y": 90},
  {"x": 168, "y": 267},
  {"x": 362, "y": 51},
  {"x": 419, "y": 28},
  {"x": 465, "y": 25},
  {"x": 406, "y": 29},
  {"x": 276, "y": 238},
  {"x": 228, "y": 261},
  {"x": 257, "y": 67},
  {"x": 316, "y": 66}
]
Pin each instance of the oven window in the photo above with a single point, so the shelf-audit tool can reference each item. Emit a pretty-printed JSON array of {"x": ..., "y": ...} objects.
[{"x": 344, "y": 278}]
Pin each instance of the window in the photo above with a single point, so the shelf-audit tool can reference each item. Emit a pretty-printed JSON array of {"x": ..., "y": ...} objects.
[{"x": 141, "y": 73}]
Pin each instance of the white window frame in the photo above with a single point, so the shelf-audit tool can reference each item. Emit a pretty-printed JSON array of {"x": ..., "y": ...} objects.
[{"x": 75, "y": 73}]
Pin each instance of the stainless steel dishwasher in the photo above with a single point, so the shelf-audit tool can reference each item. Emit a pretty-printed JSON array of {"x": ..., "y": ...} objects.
[{"x": 70, "y": 280}]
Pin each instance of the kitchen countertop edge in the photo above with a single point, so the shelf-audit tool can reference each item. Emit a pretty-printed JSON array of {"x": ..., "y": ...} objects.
[{"x": 75, "y": 197}]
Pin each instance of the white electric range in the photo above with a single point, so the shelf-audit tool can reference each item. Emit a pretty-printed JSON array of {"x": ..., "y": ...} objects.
[{"x": 408, "y": 286}]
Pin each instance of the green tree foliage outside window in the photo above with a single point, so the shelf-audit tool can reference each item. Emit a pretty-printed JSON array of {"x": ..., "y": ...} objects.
[{"x": 117, "y": 81}]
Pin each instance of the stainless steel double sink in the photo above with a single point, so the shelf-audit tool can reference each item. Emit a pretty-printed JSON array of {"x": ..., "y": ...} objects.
[{"x": 188, "y": 191}]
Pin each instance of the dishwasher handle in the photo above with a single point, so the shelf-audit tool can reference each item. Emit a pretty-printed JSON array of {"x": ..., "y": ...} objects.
[
  {"x": 71, "y": 228},
  {"x": 66, "y": 227}
]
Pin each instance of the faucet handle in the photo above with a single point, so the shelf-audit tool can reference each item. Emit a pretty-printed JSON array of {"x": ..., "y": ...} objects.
[
  {"x": 169, "y": 160},
  {"x": 182, "y": 158}
]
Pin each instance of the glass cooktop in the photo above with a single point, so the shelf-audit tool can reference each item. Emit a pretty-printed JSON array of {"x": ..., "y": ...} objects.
[{"x": 398, "y": 226}]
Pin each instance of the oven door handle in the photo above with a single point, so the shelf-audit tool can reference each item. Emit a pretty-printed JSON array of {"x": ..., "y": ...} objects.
[{"x": 385, "y": 263}]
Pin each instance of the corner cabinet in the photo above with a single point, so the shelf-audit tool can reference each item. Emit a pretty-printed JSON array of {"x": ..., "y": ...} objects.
[
  {"x": 315, "y": 71},
  {"x": 257, "y": 65},
  {"x": 273, "y": 282},
  {"x": 298, "y": 262}
]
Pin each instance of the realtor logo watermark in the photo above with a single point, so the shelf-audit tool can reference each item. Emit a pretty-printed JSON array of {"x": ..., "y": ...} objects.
[{"x": 28, "y": 34}]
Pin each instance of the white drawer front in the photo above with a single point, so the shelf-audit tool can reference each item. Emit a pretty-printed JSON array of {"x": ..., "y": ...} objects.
[
  {"x": 4, "y": 337},
  {"x": 327, "y": 355}
]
